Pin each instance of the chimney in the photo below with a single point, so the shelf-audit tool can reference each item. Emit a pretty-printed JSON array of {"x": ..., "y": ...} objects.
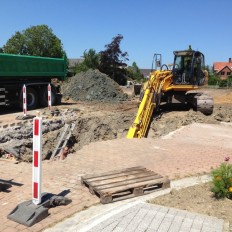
[{"x": 230, "y": 60}]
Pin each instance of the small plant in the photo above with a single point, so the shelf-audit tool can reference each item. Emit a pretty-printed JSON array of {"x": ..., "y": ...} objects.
[{"x": 222, "y": 180}]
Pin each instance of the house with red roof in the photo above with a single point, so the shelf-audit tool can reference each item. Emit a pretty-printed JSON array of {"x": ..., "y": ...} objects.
[{"x": 223, "y": 69}]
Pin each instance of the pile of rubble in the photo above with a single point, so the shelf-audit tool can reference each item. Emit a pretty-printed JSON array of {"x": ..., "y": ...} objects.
[
  {"x": 17, "y": 140},
  {"x": 93, "y": 86}
]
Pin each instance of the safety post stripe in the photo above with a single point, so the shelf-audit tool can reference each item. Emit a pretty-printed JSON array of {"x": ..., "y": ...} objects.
[
  {"x": 24, "y": 100},
  {"x": 36, "y": 127},
  {"x": 36, "y": 159},
  {"x": 49, "y": 97},
  {"x": 35, "y": 187}
]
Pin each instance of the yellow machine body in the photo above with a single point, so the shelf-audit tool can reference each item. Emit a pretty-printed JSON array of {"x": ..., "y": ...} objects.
[{"x": 160, "y": 84}]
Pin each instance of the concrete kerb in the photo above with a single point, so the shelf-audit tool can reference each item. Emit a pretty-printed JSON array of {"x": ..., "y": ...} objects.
[{"x": 87, "y": 219}]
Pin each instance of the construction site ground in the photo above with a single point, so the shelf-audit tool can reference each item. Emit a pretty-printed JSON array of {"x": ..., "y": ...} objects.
[{"x": 199, "y": 144}]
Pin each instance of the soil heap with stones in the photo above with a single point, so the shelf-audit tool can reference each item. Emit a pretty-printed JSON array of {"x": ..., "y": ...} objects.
[{"x": 93, "y": 86}]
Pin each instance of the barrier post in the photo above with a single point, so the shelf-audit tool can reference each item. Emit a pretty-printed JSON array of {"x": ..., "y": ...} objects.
[
  {"x": 37, "y": 160},
  {"x": 30, "y": 212},
  {"x": 49, "y": 97},
  {"x": 24, "y": 100}
]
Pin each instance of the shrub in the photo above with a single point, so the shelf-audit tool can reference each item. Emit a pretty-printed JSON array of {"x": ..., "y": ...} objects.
[
  {"x": 223, "y": 83},
  {"x": 213, "y": 80},
  {"x": 230, "y": 80},
  {"x": 222, "y": 180}
]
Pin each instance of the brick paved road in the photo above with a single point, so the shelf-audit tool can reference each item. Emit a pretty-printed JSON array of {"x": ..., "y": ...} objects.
[
  {"x": 190, "y": 151},
  {"x": 143, "y": 217}
]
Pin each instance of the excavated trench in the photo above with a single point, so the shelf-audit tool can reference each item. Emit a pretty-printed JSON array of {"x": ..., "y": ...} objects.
[
  {"x": 92, "y": 127},
  {"x": 88, "y": 128}
]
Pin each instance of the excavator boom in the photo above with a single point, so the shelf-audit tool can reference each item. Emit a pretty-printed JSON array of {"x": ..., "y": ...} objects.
[{"x": 150, "y": 101}]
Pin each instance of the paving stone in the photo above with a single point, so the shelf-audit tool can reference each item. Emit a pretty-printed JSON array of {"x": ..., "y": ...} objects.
[
  {"x": 197, "y": 224},
  {"x": 167, "y": 159},
  {"x": 144, "y": 220},
  {"x": 174, "y": 228}
]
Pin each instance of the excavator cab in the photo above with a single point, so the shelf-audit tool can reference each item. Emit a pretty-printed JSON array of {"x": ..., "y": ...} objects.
[{"x": 188, "y": 68}]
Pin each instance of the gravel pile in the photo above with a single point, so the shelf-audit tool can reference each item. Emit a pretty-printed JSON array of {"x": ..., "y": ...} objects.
[{"x": 93, "y": 86}]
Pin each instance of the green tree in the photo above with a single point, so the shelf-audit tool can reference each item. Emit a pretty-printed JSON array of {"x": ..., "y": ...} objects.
[
  {"x": 91, "y": 61},
  {"x": 36, "y": 41},
  {"x": 134, "y": 72},
  {"x": 16, "y": 44},
  {"x": 112, "y": 60}
]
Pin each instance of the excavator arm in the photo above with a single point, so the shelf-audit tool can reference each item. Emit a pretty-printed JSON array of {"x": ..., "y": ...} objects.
[{"x": 150, "y": 102}]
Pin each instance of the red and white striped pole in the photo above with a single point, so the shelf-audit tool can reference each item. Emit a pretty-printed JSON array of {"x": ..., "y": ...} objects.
[
  {"x": 49, "y": 97},
  {"x": 24, "y": 100},
  {"x": 37, "y": 160}
]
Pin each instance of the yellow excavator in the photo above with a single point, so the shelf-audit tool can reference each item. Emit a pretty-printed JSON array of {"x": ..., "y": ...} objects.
[{"x": 181, "y": 84}]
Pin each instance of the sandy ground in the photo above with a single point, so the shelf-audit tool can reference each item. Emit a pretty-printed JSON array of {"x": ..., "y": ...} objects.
[{"x": 197, "y": 199}]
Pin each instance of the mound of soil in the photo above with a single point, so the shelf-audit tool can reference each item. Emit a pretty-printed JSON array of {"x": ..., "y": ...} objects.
[{"x": 92, "y": 86}]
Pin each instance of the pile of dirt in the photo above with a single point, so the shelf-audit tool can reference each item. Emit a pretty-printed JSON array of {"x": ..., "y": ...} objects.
[{"x": 92, "y": 86}]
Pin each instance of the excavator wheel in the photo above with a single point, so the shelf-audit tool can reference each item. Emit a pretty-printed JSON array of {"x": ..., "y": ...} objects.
[
  {"x": 204, "y": 103},
  {"x": 200, "y": 102}
]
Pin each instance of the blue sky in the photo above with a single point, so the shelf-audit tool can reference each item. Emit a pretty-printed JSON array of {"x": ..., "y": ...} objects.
[{"x": 148, "y": 26}]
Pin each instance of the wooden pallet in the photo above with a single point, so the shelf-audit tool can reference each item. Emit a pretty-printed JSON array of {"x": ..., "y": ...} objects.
[{"x": 125, "y": 183}]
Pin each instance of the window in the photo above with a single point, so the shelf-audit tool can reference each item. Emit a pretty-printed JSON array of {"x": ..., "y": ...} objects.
[
  {"x": 228, "y": 73},
  {"x": 178, "y": 62},
  {"x": 222, "y": 73}
]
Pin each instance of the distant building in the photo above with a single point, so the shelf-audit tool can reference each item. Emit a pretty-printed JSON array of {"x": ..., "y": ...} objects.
[
  {"x": 74, "y": 62},
  {"x": 145, "y": 72},
  {"x": 223, "y": 69}
]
